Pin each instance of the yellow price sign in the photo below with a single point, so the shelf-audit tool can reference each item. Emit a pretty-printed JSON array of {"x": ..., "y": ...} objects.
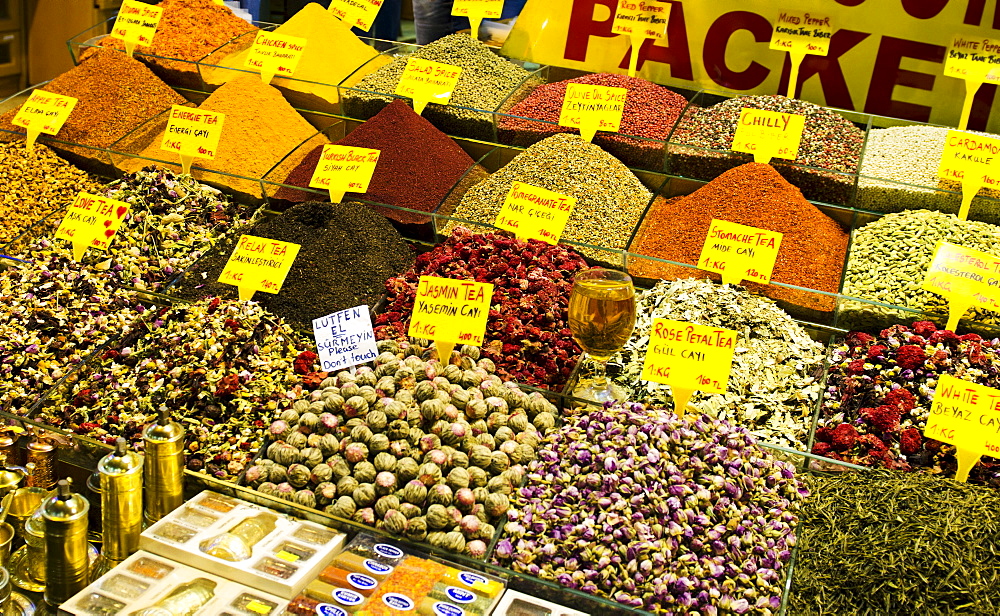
[
  {"x": 288, "y": 556},
  {"x": 768, "y": 134},
  {"x": 259, "y": 264},
  {"x": 966, "y": 415},
  {"x": 359, "y": 14},
  {"x": 972, "y": 58},
  {"x": 535, "y": 213},
  {"x": 689, "y": 357},
  {"x": 426, "y": 81},
  {"x": 275, "y": 54},
  {"x": 450, "y": 312},
  {"x": 136, "y": 24},
  {"x": 43, "y": 112},
  {"x": 476, "y": 11},
  {"x": 344, "y": 169},
  {"x": 640, "y": 20},
  {"x": 192, "y": 133},
  {"x": 973, "y": 160},
  {"x": 739, "y": 252},
  {"x": 801, "y": 33},
  {"x": 966, "y": 278},
  {"x": 91, "y": 221},
  {"x": 592, "y": 108},
  {"x": 259, "y": 607}
]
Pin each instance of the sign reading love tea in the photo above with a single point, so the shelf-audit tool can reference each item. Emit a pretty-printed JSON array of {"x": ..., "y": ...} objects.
[
  {"x": 91, "y": 221},
  {"x": 477, "y": 11},
  {"x": 275, "y": 54},
  {"x": 426, "y": 81},
  {"x": 345, "y": 338},
  {"x": 973, "y": 160},
  {"x": 342, "y": 169},
  {"x": 534, "y": 213},
  {"x": 450, "y": 312},
  {"x": 966, "y": 278},
  {"x": 43, "y": 112},
  {"x": 966, "y": 415},
  {"x": 739, "y": 252},
  {"x": 640, "y": 20},
  {"x": 592, "y": 108},
  {"x": 192, "y": 133},
  {"x": 974, "y": 60},
  {"x": 259, "y": 264},
  {"x": 359, "y": 14},
  {"x": 768, "y": 134},
  {"x": 689, "y": 357},
  {"x": 136, "y": 24}
]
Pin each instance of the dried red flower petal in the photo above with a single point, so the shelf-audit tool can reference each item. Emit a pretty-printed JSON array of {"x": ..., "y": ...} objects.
[
  {"x": 843, "y": 437},
  {"x": 304, "y": 362},
  {"x": 883, "y": 418},
  {"x": 910, "y": 441},
  {"x": 910, "y": 357},
  {"x": 227, "y": 385}
]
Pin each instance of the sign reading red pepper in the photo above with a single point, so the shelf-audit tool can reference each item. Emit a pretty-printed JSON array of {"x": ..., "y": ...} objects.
[
  {"x": 92, "y": 221},
  {"x": 966, "y": 415},
  {"x": 43, "y": 112},
  {"x": 192, "y": 133},
  {"x": 640, "y": 20},
  {"x": 801, "y": 34},
  {"x": 450, "y": 312}
]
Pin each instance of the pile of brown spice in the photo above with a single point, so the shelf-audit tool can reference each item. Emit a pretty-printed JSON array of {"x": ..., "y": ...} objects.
[{"x": 813, "y": 245}]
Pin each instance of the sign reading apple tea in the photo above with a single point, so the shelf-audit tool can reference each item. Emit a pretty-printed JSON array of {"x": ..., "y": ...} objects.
[
  {"x": 450, "y": 312},
  {"x": 768, "y": 134},
  {"x": 43, "y": 112},
  {"x": 136, "y": 24},
  {"x": 592, "y": 108},
  {"x": 966, "y": 415},
  {"x": 259, "y": 264},
  {"x": 91, "y": 221},
  {"x": 345, "y": 338},
  {"x": 192, "y": 133}
]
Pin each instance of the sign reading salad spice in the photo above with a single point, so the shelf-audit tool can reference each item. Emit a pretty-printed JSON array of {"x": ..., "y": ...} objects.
[
  {"x": 258, "y": 264},
  {"x": 359, "y": 14},
  {"x": 966, "y": 415},
  {"x": 974, "y": 60},
  {"x": 345, "y": 338},
  {"x": 136, "y": 24},
  {"x": 426, "y": 81},
  {"x": 91, "y": 221},
  {"x": 477, "y": 11},
  {"x": 450, "y": 312},
  {"x": 739, "y": 252},
  {"x": 343, "y": 169},
  {"x": 973, "y": 160},
  {"x": 768, "y": 134},
  {"x": 966, "y": 278},
  {"x": 801, "y": 34},
  {"x": 640, "y": 20},
  {"x": 592, "y": 108},
  {"x": 689, "y": 357},
  {"x": 192, "y": 133},
  {"x": 534, "y": 213},
  {"x": 275, "y": 54},
  {"x": 43, "y": 112}
]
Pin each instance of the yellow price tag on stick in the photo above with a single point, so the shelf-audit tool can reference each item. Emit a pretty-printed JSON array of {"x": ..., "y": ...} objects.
[
  {"x": 973, "y": 160},
  {"x": 966, "y": 278},
  {"x": 768, "y": 134},
  {"x": 739, "y": 252},
  {"x": 275, "y": 54},
  {"x": 259, "y": 264},
  {"x": 359, "y": 14},
  {"x": 972, "y": 59},
  {"x": 640, "y": 20},
  {"x": 689, "y": 357},
  {"x": 476, "y": 11},
  {"x": 450, "y": 312},
  {"x": 91, "y": 221},
  {"x": 136, "y": 24},
  {"x": 966, "y": 415},
  {"x": 800, "y": 34},
  {"x": 343, "y": 169},
  {"x": 192, "y": 133},
  {"x": 43, "y": 112},
  {"x": 534, "y": 213},
  {"x": 426, "y": 81},
  {"x": 592, "y": 108}
]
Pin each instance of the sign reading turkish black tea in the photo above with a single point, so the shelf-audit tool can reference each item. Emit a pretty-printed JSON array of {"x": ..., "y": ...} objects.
[{"x": 343, "y": 169}]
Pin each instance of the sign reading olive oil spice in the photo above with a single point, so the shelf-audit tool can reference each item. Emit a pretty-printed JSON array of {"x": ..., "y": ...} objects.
[
  {"x": 92, "y": 220},
  {"x": 345, "y": 338},
  {"x": 450, "y": 312},
  {"x": 966, "y": 415},
  {"x": 640, "y": 20},
  {"x": 739, "y": 252},
  {"x": 136, "y": 24},
  {"x": 592, "y": 108},
  {"x": 43, "y": 112},
  {"x": 477, "y": 11},
  {"x": 342, "y": 169},
  {"x": 275, "y": 54},
  {"x": 259, "y": 264},
  {"x": 801, "y": 34},
  {"x": 768, "y": 134},
  {"x": 192, "y": 133},
  {"x": 966, "y": 278},
  {"x": 689, "y": 357},
  {"x": 359, "y": 14},
  {"x": 971, "y": 59},
  {"x": 426, "y": 81},
  {"x": 534, "y": 213},
  {"x": 973, "y": 160}
]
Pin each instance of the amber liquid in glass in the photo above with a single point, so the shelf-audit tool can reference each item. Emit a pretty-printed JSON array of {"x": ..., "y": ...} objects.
[{"x": 602, "y": 316}]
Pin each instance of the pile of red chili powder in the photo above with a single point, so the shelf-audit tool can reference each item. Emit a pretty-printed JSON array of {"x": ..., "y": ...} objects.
[
  {"x": 813, "y": 245},
  {"x": 650, "y": 112}
]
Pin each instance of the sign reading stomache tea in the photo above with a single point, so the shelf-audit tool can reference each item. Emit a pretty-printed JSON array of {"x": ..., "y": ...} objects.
[
  {"x": 275, "y": 54},
  {"x": 739, "y": 252},
  {"x": 640, "y": 20},
  {"x": 345, "y": 338},
  {"x": 973, "y": 160},
  {"x": 43, "y": 112},
  {"x": 192, "y": 133},
  {"x": 426, "y": 81},
  {"x": 342, "y": 169},
  {"x": 91, "y": 221},
  {"x": 768, "y": 134},
  {"x": 535, "y": 213},
  {"x": 450, "y": 312},
  {"x": 136, "y": 24},
  {"x": 966, "y": 415},
  {"x": 592, "y": 108},
  {"x": 966, "y": 278},
  {"x": 259, "y": 264}
]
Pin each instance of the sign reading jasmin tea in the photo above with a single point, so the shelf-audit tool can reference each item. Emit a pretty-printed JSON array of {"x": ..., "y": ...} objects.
[
  {"x": 640, "y": 20},
  {"x": 450, "y": 312},
  {"x": 534, "y": 213},
  {"x": 689, "y": 357},
  {"x": 342, "y": 169},
  {"x": 275, "y": 54},
  {"x": 136, "y": 24},
  {"x": 739, "y": 252},
  {"x": 768, "y": 134},
  {"x": 91, "y": 221},
  {"x": 973, "y": 160},
  {"x": 43, "y": 112},
  {"x": 192, "y": 133},
  {"x": 345, "y": 338},
  {"x": 592, "y": 108},
  {"x": 800, "y": 34},
  {"x": 258, "y": 264},
  {"x": 966, "y": 415},
  {"x": 477, "y": 11},
  {"x": 966, "y": 278},
  {"x": 359, "y": 14},
  {"x": 974, "y": 60},
  {"x": 426, "y": 81}
]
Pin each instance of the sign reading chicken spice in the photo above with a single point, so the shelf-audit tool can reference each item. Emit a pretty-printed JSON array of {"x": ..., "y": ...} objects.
[
  {"x": 342, "y": 169},
  {"x": 92, "y": 220},
  {"x": 966, "y": 278},
  {"x": 768, "y": 134},
  {"x": 739, "y": 252},
  {"x": 800, "y": 34},
  {"x": 275, "y": 54},
  {"x": 592, "y": 108},
  {"x": 973, "y": 160},
  {"x": 966, "y": 415},
  {"x": 640, "y": 20},
  {"x": 450, "y": 312},
  {"x": 345, "y": 338},
  {"x": 258, "y": 264},
  {"x": 534, "y": 213},
  {"x": 426, "y": 81},
  {"x": 136, "y": 24},
  {"x": 972, "y": 59},
  {"x": 192, "y": 133},
  {"x": 356, "y": 13},
  {"x": 476, "y": 11},
  {"x": 43, "y": 112},
  {"x": 689, "y": 357}
]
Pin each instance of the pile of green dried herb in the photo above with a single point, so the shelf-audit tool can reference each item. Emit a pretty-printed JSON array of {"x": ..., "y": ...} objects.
[{"x": 886, "y": 543}]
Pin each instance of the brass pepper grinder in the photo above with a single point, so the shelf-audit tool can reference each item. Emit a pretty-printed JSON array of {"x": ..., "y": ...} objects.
[
  {"x": 8, "y": 442},
  {"x": 67, "y": 566},
  {"x": 10, "y": 476},
  {"x": 121, "y": 501},
  {"x": 163, "y": 468},
  {"x": 42, "y": 453}
]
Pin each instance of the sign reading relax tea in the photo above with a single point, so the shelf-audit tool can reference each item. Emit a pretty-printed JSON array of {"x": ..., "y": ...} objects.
[
  {"x": 450, "y": 312},
  {"x": 768, "y": 134},
  {"x": 739, "y": 252},
  {"x": 592, "y": 108},
  {"x": 535, "y": 213},
  {"x": 192, "y": 133},
  {"x": 966, "y": 415},
  {"x": 426, "y": 81},
  {"x": 136, "y": 24},
  {"x": 343, "y": 169},
  {"x": 91, "y": 221},
  {"x": 43, "y": 112},
  {"x": 345, "y": 338},
  {"x": 259, "y": 264},
  {"x": 966, "y": 278},
  {"x": 973, "y": 160},
  {"x": 275, "y": 54}
]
